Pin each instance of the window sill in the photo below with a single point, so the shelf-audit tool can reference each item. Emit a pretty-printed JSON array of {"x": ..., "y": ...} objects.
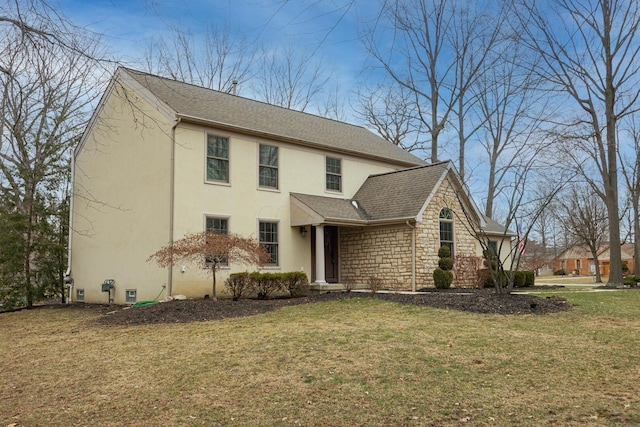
[
  {"x": 269, "y": 267},
  {"x": 220, "y": 183},
  {"x": 333, "y": 192},
  {"x": 269, "y": 189}
]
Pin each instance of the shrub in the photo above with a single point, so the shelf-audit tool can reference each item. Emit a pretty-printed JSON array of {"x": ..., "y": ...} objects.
[
  {"x": 444, "y": 252},
  {"x": 265, "y": 284},
  {"x": 295, "y": 282},
  {"x": 238, "y": 285},
  {"x": 519, "y": 279},
  {"x": 529, "y": 279},
  {"x": 631, "y": 280},
  {"x": 560, "y": 272},
  {"x": 445, "y": 264},
  {"x": 375, "y": 284},
  {"x": 442, "y": 278}
]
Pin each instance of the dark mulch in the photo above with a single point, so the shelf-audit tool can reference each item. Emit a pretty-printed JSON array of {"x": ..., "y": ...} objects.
[{"x": 476, "y": 301}]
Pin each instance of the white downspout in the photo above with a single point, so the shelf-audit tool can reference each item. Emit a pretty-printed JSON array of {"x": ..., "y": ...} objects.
[
  {"x": 172, "y": 189},
  {"x": 413, "y": 256}
]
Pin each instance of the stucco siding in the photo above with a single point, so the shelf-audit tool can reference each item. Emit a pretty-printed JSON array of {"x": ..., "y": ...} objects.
[
  {"x": 121, "y": 200},
  {"x": 244, "y": 203}
]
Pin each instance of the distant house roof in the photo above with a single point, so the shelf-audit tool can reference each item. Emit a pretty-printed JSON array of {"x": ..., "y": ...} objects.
[
  {"x": 198, "y": 104},
  {"x": 387, "y": 197}
]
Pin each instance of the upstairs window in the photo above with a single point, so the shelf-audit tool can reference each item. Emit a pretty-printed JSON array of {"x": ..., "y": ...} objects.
[
  {"x": 334, "y": 174},
  {"x": 268, "y": 172},
  {"x": 446, "y": 229},
  {"x": 217, "y": 158}
]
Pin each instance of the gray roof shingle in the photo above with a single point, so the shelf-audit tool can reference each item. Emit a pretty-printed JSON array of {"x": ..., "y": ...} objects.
[{"x": 246, "y": 114}]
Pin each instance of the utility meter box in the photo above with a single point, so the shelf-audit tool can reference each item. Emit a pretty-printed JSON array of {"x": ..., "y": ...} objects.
[{"x": 107, "y": 285}]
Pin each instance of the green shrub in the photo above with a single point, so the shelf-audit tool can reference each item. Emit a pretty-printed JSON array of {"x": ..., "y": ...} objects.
[
  {"x": 445, "y": 264},
  {"x": 519, "y": 279},
  {"x": 442, "y": 278},
  {"x": 265, "y": 284},
  {"x": 238, "y": 285},
  {"x": 529, "y": 279},
  {"x": 631, "y": 280},
  {"x": 444, "y": 252},
  {"x": 560, "y": 272},
  {"x": 295, "y": 282}
]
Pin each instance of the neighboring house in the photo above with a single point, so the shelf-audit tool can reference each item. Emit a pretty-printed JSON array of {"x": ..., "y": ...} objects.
[
  {"x": 579, "y": 260},
  {"x": 161, "y": 158}
]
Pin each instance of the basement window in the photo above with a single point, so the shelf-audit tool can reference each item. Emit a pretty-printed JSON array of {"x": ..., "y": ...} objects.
[
  {"x": 132, "y": 296},
  {"x": 80, "y": 295}
]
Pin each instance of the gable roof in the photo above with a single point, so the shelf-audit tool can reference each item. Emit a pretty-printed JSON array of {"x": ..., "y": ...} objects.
[
  {"x": 388, "y": 197},
  {"x": 231, "y": 112}
]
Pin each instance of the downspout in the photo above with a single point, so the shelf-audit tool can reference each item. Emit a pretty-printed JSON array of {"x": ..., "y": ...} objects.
[
  {"x": 172, "y": 188},
  {"x": 413, "y": 256},
  {"x": 67, "y": 275}
]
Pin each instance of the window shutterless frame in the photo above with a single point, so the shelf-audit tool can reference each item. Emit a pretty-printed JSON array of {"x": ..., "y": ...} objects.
[
  {"x": 217, "y": 159},
  {"x": 333, "y": 177},
  {"x": 268, "y": 166},
  {"x": 268, "y": 238}
]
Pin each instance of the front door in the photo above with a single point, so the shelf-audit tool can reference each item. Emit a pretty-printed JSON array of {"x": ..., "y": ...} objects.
[{"x": 331, "y": 254}]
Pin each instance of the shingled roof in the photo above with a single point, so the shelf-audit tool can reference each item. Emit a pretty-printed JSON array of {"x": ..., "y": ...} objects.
[
  {"x": 245, "y": 115},
  {"x": 397, "y": 195}
]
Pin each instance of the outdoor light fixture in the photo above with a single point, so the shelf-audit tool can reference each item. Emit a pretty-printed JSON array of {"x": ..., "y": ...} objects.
[{"x": 303, "y": 231}]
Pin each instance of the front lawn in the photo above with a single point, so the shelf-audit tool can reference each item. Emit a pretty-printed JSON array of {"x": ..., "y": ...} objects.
[{"x": 336, "y": 363}]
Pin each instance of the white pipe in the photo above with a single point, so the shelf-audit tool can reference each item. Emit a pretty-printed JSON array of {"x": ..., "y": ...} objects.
[{"x": 172, "y": 186}]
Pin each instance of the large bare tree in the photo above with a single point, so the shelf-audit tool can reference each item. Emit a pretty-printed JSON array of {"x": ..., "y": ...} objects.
[
  {"x": 590, "y": 51},
  {"x": 630, "y": 166},
  {"x": 47, "y": 93},
  {"x": 216, "y": 61},
  {"x": 438, "y": 51}
]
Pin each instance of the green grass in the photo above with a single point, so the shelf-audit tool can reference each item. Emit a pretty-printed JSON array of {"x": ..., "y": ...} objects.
[{"x": 342, "y": 363}]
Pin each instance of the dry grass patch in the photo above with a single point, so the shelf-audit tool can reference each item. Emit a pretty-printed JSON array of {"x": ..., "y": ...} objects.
[{"x": 340, "y": 363}]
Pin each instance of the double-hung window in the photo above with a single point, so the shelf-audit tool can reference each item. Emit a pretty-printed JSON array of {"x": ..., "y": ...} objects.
[
  {"x": 217, "y": 158},
  {"x": 446, "y": 229},
  {"x": 268, "y": 173},
  {"x": 334, "y": 174},
  {"x": 269, "y": 240},
  {"x": 217, "y": 226}
]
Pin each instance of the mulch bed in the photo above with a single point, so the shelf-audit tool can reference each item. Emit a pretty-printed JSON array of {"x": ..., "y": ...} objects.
[{"x": 476, "y": 301}]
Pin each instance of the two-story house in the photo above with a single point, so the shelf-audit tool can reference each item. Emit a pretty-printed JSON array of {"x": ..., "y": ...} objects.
[{"x": 162, "y": 158}]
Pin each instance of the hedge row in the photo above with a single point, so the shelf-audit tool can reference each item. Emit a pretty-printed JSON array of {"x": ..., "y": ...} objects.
[
  {"x": 264, "y": 285},
  {"x": 521, "y": 279}
]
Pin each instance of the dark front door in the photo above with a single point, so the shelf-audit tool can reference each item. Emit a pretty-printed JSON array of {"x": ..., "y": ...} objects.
[{"x": 331, "y": 254}]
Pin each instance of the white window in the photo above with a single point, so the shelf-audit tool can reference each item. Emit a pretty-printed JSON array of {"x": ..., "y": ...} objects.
[
  {"x": 269, "y": 240},
  {"x": 79, "y": 294},
  {"x": 334, "y": 174},
  {"x": 217, "y": 158},
  {"x": 446, "y": 229},
  {"x": 131, "y": 296},
  {"x": 268, "y": 170}
]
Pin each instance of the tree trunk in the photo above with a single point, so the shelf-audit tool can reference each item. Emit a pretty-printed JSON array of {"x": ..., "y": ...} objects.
[
  {"x": 636, "y": 238},
  {"x": 213, "y": 270}
]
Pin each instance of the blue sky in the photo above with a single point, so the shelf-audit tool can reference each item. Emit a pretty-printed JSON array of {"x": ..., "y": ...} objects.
[{"x": 329, "y": 27}]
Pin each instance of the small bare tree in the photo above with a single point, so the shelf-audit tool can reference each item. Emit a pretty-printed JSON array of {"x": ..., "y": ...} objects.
[
  {"x": 586, "y": 216},
  {"x": 211, "y": 249}
]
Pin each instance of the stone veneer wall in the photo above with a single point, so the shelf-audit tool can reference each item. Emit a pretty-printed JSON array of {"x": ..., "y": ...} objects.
[
  {"x": 384, "y": 252},
  {"x": 428, "y": 238}
]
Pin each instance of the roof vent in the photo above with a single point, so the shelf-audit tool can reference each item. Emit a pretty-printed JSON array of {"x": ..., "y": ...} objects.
[{"x": 355, "y": 204}]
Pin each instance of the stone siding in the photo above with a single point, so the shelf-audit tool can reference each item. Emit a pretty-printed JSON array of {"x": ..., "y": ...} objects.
[{"x": 385, "y": 252}]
